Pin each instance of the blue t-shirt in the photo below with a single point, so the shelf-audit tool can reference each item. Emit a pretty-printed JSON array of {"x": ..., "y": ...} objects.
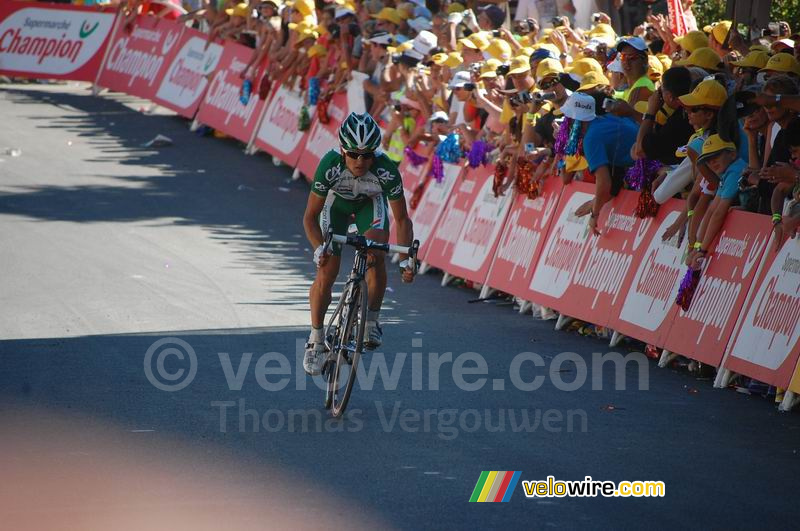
[
  {"x": 729, "y": 180},
  {"x": 608, "y": 141}
]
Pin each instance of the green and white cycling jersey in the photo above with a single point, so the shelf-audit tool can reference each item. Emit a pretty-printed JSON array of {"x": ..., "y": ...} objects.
[{"x": 332, "y": 175}]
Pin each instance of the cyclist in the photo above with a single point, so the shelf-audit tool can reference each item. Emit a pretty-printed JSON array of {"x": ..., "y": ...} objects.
[{"x": 354, "y": 182}]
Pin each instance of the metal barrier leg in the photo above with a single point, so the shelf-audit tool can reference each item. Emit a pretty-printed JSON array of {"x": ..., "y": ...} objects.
[
  {"x": 446, "y": 279},
  {"x": 525, "y": 307},
  {"x": 723, "y": 379},
  {"x": 486, "y": 292},
  {"x": 423, "y": 268},
  {"x": 563, "y": 320},
  {"x": 666, "y": 357},
  {"x": 790, "y": 400},
  {"x": 616, "y": 338},
  {"x": 195, "y": 125},
  {"x": 296, "y": 175}
]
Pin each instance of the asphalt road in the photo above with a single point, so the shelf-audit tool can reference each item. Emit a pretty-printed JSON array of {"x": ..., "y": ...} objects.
[{"x": 109, "y": 249}]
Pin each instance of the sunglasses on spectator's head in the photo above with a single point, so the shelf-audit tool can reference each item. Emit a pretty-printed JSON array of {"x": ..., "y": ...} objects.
[{"x": 356, "y": 155}]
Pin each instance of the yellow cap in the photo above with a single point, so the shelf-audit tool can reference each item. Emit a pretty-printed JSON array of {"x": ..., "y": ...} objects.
[
  {"x": 239, "y": 10},
  {"x": 705, "y": 58},
  {"x": 305, "y": 24},
  {"x": 708, "y": 93},
  {"x": 583, "y": 66},
  {"x": 548, "y": 67},
  {"x": 720, "y": 30},
  {"x": 666, "y": 62},
  {"x": 307, "y": 34},
  {"x": 759, "y": 48},
  {"x": 519, "y": 65},
  {"x": 692, "y": 41},
  {"x": 317, "y": 50},
  {"x": 603, "y": 30},
  {"x": 476, "y": 41},
  {"x": 499, "y": 49},
  {"x": 592, "y": 79},
  {"x": 450, "y": 60},
  {"x": 489, "y": 68},
  {"x": 655, "y": 69},
  {"x": 753, "y": 60},
  {"x": 455, "y": 7},
  {"x": 305, "y": 7},
  {"x": 713, "y": 146},
  {"x": 389, "y": 14},
  {"x": 402, "y": 47},
  {"x": 782, "y": 62}
]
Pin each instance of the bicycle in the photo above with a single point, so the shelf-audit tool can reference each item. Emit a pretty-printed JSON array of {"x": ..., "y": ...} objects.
[{"x": 344, "y": 335}]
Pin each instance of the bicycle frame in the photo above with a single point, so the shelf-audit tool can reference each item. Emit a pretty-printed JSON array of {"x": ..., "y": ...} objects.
[{"x": 344, "y": 344}]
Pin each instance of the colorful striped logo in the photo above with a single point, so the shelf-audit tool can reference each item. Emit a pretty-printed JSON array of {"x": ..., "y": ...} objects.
[{"x": 495, "y": 486}]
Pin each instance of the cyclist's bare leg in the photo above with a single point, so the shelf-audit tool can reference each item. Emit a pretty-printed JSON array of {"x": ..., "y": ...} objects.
[
  {"x": 319, "y": 296},
  {"x": 376, "y": 275}
]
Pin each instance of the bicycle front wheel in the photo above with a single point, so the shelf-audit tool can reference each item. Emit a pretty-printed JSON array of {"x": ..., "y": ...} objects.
[{"x": 351, "y": 345}]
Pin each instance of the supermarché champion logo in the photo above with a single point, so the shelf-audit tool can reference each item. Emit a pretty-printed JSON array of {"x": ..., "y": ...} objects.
[{"x": 51, "y": 40}]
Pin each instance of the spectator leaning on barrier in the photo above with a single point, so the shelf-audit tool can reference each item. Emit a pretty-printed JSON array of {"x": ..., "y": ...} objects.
[
  {"x": 721, "y": 157},
  {"x": 606, "y": 146}
]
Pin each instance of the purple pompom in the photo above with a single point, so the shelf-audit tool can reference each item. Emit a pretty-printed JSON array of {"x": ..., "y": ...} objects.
[
  {"x": 479, "y": 154},
  {"x": 414, "y": 158},
  {"x": 642, "y": 174},
  {"x": 562, "y": 136},
  {"x": 437, "y": 169},
  {"x": 688, "y": 287}
]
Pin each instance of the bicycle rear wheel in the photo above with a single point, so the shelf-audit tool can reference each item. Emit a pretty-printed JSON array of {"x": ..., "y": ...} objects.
[{"x": 350, "y": 347}]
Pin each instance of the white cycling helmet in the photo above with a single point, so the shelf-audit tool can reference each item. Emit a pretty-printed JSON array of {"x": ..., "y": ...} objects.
[{"x": 359, "y": 132}]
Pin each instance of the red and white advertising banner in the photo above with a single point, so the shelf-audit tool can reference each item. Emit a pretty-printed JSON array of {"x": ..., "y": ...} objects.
[
  {"x": 53, "y": 41},
  {"x": 477, "y": 233},
  {"x": 221, "y": 107},
  {"x": 186, "y": 78},
  {"x": 583, "y": 275},
  {"x": 323, "y": 137},
  {"x": 649, "y": 306},
  {"x": 766, "y": 344},
  {"x": 137, "y": 59},
  {"x": 431, "y": 206},
  {"x": 412, "y": 177},
  {"x": 278, "y": 134},
  {"x": 444, "y": 238},
  {"x": 523, "y": 239},
  {"x": 703, "y": 332}
]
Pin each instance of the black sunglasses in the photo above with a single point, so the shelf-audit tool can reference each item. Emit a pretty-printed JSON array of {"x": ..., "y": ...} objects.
[
  {"x": 355, "y": 155},
  {"x": 544, "y": 85},
  {"x": 698, "y": 109}
]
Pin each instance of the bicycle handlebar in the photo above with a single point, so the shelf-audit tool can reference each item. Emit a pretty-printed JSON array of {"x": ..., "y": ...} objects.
[{"x": 360, "y": 242}]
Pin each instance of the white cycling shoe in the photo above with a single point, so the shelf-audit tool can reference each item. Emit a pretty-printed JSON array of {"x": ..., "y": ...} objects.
[
  {"x": 315, "y": 355},
  {"x": 373, "y": 335}
]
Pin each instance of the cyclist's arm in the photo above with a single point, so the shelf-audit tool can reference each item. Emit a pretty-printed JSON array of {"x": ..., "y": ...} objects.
[
  {"x": 405, "y": 228},
  {"x": 311, "y": 220}
]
